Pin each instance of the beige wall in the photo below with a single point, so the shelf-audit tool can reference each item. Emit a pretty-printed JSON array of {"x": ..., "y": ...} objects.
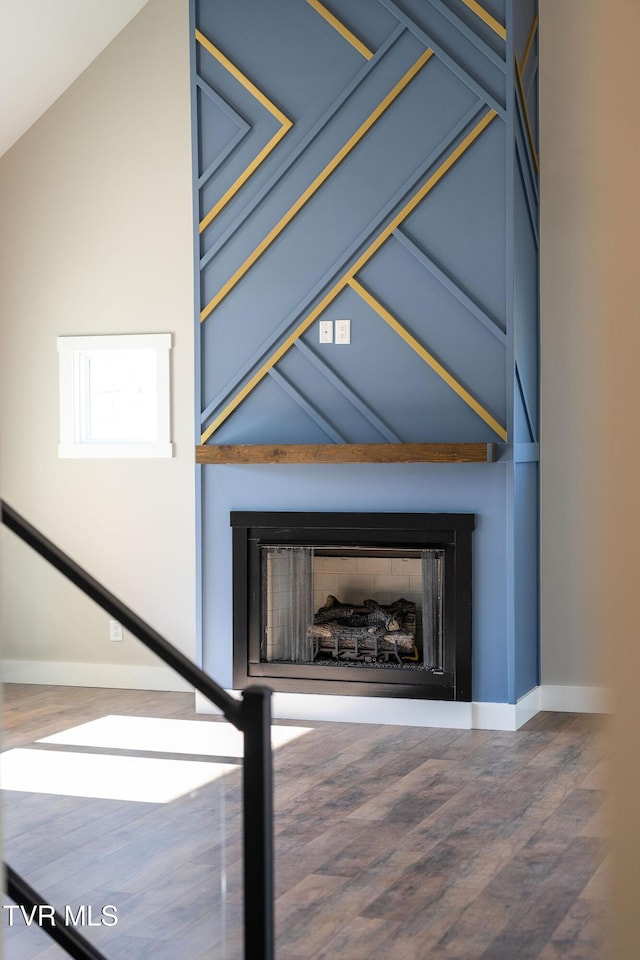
[
  {"x": 572, "y": 336},
  {"x": 591, "y": 387},
  {"x": 617, "y": 151},
  {"x": 95, "y": 234}
]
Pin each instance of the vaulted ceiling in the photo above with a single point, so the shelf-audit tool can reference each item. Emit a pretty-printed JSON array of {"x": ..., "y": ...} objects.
[{"x": 44, "y": 46}]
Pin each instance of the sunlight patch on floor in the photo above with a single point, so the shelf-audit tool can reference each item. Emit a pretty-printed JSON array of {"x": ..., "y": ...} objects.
[
  {"x": 161, "y": 735},
  {"x": 116, "y": 777},
  {"x": 145, "y": 779}
]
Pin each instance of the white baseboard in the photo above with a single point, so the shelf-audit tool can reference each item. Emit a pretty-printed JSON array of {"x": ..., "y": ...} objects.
[
  {"x": 567, "y": 699},
  {"x": 428, "y": 713},
  {"x": 527, "y": 707},
  {"x": 410, "y": 713},
  {"x": 505, "y": 716},
  {"x": 120, "y": 676}
]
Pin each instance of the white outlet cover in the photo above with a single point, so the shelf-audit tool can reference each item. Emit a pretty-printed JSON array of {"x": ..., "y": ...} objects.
[
  {"x": 326, "y": 331},
  {"x": 343, "y": 331}
]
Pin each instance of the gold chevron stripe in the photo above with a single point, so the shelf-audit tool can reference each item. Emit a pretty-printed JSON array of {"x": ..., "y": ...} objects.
[
  {"x": 488, "y": 19},
  {"x": 529, "y": 43},
  {"x": 340, "y": 27},
  {"x": 426, "y": 188},
  {"x": 242, "y": 179},
  {"x": 429, "y": 359},
  {"x": 317, "y": 183},
  {"x": 273, "y": 359},
  {"x": 285, "y": 126},
  {"x": 349, "y": 275},
  {"x": 527, "y": 121}
]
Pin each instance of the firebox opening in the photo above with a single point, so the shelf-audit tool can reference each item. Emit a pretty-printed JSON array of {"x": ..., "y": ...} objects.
[{"x": 342, "y": 606}]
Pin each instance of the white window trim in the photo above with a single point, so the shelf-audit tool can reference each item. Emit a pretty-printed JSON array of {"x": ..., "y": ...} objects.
[{"x": 72, "y": 410}]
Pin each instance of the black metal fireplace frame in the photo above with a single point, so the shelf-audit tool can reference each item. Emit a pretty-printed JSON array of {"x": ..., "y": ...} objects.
[{"x": 450, "y": 531}]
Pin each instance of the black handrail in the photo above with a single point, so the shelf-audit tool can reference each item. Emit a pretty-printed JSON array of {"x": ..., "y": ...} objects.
[
  {"x": 251, "y": 715},
  {"x": 69, "y": 939}
]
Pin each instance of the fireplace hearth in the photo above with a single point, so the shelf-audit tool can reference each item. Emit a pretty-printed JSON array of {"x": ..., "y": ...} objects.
[{"x": 369, "y": 604}]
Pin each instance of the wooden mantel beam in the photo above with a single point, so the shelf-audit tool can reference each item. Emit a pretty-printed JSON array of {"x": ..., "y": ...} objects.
[{"x": 347, "y": 453}]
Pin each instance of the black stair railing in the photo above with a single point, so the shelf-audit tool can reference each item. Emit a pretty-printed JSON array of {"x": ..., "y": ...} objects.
[
  {"x": 69, "y": 939},
  {"x": 251, "y": 715}
]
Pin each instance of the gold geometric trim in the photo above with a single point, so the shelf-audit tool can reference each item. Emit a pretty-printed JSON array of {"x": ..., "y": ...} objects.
[
  {"x": 429, "y": 359},
  {"x": 426, "y": 188},
  {"x": 239, "y": 75},
  {"x": 488, "y": 19},
  {"x": 273, "y": 359},
  {"x": 316, "y": 184},
  {"x": 242, "y": 179},
  {"x": 285, "y": 126},
  {"x": 340, "y": 27},
  {"x": 529, "y": 43},
  {"x": 329, "y": 297}
]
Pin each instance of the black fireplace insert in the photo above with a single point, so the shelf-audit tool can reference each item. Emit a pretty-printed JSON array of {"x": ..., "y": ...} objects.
[{"x": 364, "y": 604}]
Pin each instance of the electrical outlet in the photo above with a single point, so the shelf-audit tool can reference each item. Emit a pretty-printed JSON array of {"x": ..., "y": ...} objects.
[
  {"x": 115, "y": 631},
  {"x": 343, "y": 331},
  {"x": 326, "y": 331}
]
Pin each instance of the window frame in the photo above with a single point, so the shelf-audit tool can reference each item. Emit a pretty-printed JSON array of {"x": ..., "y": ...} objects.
[{"x": 74, "y": 368}]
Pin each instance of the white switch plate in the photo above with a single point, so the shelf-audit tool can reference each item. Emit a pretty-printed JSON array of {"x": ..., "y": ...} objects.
[
  {"x": 115, "y": 630},
  {"x": 343, "y": 331},
  {"x": 326, "y": 331}
]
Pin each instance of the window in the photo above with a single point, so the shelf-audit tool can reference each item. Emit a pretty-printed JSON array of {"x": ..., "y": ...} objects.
[{"x": 114, "y": 396}]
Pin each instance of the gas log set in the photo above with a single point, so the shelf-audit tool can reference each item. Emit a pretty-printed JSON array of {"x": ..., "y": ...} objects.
[{"x": 371, "y": 632}]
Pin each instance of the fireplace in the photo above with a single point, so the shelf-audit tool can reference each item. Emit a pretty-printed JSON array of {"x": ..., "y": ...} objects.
[{"x": 369, "y": 604}]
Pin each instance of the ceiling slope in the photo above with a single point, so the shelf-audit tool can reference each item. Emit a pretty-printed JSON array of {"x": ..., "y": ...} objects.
[{"x": 44, "y": 46}]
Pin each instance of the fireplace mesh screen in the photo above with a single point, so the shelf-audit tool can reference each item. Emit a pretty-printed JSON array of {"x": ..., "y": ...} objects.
[
  {"x": 432, "y": 607},
  {"x": 287, "y": 604}
]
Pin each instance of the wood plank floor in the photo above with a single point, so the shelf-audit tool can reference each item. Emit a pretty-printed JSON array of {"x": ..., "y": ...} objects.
[{"x": 391, "y": 842}]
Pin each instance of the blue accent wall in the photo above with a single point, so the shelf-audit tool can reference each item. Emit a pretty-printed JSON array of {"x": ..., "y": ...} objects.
[
  {"x": 376, "y": 122},
  {"x": 419, "y": 488},
  {"x": 525, "y": 336}
]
